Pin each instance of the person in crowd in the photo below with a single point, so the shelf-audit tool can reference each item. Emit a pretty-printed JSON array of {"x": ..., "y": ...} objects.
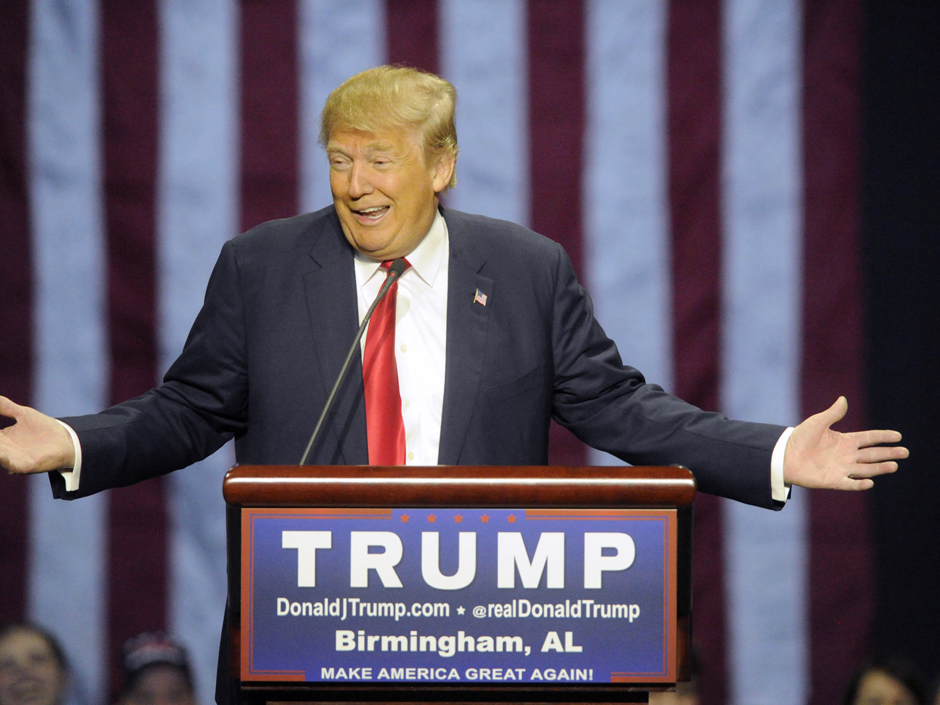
[
  {"x": 33, "y": 666},
  {"x": 889, "y": 681},
  {"x": 156, "y": 671}
]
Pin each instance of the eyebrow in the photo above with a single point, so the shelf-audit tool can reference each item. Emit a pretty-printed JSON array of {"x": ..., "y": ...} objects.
[
  {"x": 371, "y": 148},
  {"x": 380, "y": 147}
]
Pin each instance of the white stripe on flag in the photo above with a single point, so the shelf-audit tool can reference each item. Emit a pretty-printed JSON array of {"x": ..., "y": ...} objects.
[
  {"x": 68, "y": 540},
  {"x": 626, "y": 218},
  {"x": 483, "y": 53},
  {"x": 197, "y": 210},
  {"x": 336, "y": 40},
  {"x": 765, "y": 553}
]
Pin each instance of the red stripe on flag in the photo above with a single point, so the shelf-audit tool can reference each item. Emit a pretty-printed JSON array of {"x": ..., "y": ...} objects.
[
  {"x": 16, "y": 333},
  {"x": 556, "y": 120},
  {"x": 411, "y": 33},
  {"x": 556, "y": 137},
  {"x": 270, "y": 149},
  {"x": 137, "y": 564},
  {"x": 694, "y": 134},
  {"x": 841, "y": 591}
]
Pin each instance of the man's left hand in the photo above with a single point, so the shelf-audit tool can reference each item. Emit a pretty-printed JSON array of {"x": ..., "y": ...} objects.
[{"x": 818, "y": 457}]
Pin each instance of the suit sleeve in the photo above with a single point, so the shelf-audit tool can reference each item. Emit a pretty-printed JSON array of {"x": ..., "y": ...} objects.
[
  {"x": 200, "y": 405},
  {"x": 611, "y": 407}
]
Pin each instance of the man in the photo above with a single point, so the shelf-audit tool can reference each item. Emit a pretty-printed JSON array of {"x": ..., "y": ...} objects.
[{"x": 493, "y": 338}]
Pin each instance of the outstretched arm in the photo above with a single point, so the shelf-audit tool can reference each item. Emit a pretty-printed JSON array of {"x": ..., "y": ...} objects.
[
  {"x": 34, "y": 443},
  {"x": 818, "y": 457}
]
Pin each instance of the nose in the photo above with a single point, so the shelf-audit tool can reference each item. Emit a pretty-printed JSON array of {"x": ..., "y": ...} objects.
[{"x": 359, "y": 182}]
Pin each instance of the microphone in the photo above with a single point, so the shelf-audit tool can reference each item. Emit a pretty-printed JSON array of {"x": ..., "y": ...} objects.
[{"x": 395, "y": 270}]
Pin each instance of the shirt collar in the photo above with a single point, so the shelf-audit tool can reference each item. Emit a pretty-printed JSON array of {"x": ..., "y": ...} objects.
[{"x": 425, "y": 259}]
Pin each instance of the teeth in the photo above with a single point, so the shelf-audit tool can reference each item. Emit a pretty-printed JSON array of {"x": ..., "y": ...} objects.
[{"x": 372, "y": 211}]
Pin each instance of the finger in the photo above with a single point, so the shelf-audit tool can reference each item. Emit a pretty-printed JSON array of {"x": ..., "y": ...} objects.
[
  {"x": 871, "y": 438},
  {"x": 874, "y": 469},
  {"x": 854, "y": 484},
  {"x": 877, "y": 454}
]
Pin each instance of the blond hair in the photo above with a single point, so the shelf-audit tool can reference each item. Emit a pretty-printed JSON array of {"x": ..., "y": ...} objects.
[{"x": 391, "y": 97}]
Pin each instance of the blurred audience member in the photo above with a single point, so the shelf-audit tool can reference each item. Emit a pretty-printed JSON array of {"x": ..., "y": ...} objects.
[
  {"x": 156, "y": 672},
  {"x": 33, "y": 667},
  {"x": 886, "y": 682}
]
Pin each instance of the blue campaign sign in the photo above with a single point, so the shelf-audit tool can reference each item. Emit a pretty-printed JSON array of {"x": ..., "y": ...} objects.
[{"x": 459, "y": 595}]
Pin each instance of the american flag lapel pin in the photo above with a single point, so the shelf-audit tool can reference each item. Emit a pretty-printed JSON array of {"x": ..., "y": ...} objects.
[{"x": 479, "y": 298}]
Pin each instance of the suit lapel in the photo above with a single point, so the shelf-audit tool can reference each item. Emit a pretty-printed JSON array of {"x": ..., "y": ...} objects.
[
  {"x": 333, "y": 310},
  {"x": 467, "y": 324}
]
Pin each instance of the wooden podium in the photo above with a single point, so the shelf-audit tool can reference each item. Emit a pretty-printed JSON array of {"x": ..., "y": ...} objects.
[{"x": 431, "y": 499}]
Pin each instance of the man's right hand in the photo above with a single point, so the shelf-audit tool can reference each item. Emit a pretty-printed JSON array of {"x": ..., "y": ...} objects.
[{"x": 34, "y": 443}]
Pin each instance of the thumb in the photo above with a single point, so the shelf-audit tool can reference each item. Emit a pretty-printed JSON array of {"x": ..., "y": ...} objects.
[
  {"x": 8, "y": 408},
  {"x": 834, "y": 413}
]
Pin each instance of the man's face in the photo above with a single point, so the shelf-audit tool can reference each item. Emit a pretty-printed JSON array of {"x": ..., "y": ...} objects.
[{"x": 385, "y": 193}]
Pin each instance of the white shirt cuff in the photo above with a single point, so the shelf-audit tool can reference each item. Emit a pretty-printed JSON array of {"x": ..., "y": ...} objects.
[
  {"x": 779, "y": 491},
  {"x": 72, "y": 477}
]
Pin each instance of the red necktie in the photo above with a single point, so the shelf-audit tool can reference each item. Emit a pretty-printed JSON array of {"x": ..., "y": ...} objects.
[{"x": 386, "y": 430}]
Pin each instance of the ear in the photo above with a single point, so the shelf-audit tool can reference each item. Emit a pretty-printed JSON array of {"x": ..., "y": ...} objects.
[{"x": 444, "y": 170}]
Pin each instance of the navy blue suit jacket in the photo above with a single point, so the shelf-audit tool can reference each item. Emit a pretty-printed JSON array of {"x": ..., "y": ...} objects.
[{"x": 281, "y": 312}]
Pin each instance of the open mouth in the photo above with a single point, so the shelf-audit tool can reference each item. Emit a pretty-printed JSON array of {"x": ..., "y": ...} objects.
[{"x": 371, "y": 215}]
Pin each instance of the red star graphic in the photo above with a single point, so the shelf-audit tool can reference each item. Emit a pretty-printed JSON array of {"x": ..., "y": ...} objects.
[
  {"x": 432, "y": 518},
  {"x": 485, "y": 519},
  {"x": 404, "y": 518},
  {"x": 458, "y": 519},
  {"x": 512, "y": 519}
]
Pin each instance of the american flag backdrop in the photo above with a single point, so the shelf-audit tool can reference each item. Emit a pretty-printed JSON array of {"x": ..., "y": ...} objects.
[{"x": 699, "y": 159}]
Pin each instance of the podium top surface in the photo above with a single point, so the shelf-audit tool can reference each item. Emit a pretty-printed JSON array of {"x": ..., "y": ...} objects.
[{"x": 464, "y": 485}]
